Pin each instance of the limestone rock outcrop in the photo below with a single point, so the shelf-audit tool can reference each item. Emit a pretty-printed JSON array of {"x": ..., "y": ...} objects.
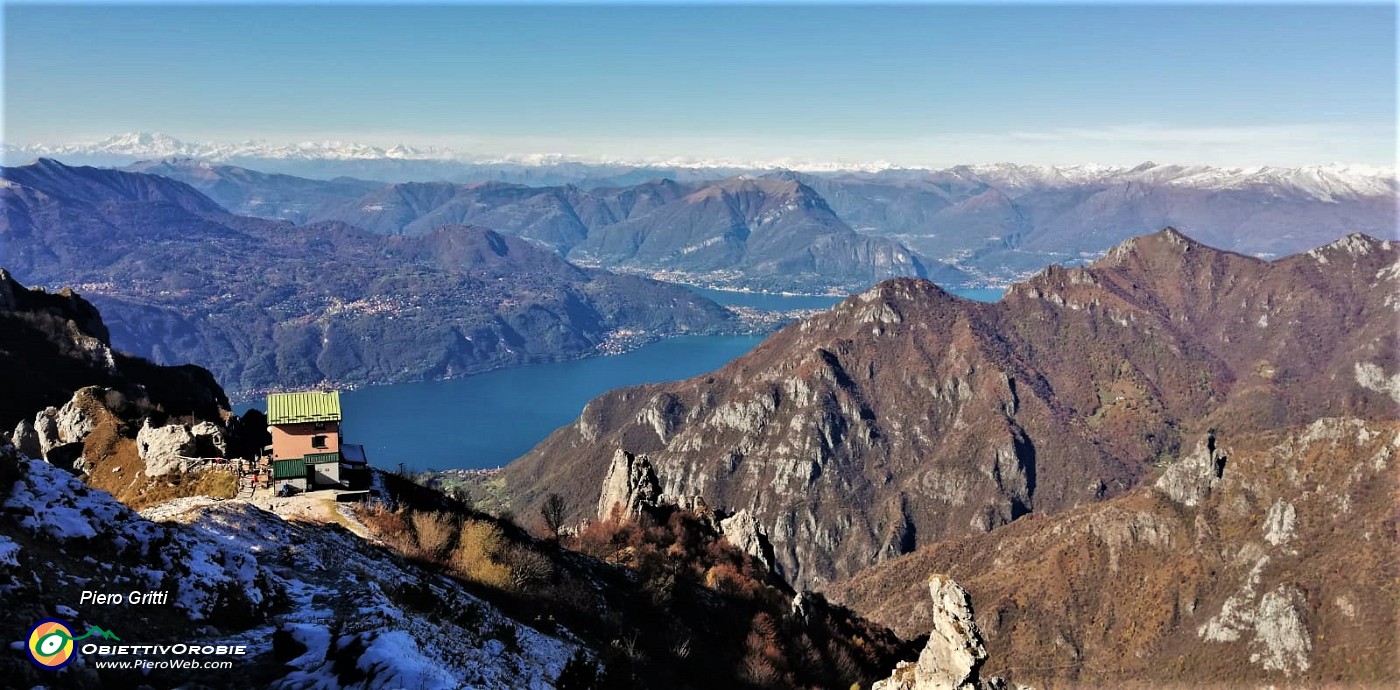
[
  {"x": 1190, "y": 480},
  {"x": 743, "y": 531},
  {"x": 177, "y": 447},
  {"x": 77, "y": 418},
  {"x": 629, "y": 485},
  {"x": 56, "y": 434},
  {"x": 954, "y": 654},
  {"x": 26, "y": 439}
]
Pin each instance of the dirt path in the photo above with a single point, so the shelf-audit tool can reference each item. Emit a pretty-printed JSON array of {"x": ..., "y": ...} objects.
[{"x": 319, "y": 506}]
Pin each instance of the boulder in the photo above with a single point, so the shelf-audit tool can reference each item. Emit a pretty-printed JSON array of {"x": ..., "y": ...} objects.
[
  {"x": 63, "y": 427},
  {"x": 46, "y": 431},
  {"x": 630, "y": 484},
  {"x": 26, "y": 439},
  {"x": 177, "y": 447},
  {"x": 78, "y": 417},
  {"x": 213, "y": 434}
]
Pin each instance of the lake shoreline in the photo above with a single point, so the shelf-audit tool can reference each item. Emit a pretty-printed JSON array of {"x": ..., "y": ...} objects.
[{"x": 480, "y": 421}]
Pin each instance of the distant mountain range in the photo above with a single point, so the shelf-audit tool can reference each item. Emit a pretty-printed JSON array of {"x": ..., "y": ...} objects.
[
  {"x": 135, "y": 146},
  {"x": 266, "y": 303},
  {"x": 1006, "y": 220},
  {"x": 145, "y": 145},
  {"x": 741, "y": 232},
  {"x": 331, "y": 159},
  {"x": 253, "y": 193},
  {"x": 965, "y": 225}
]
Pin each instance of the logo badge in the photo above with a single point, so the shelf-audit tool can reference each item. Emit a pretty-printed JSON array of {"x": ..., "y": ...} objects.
[{"x": 51, "y": 644}]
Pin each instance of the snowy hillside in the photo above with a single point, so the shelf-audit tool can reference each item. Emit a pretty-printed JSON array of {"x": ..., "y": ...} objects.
[{"x": 240, "y": 575}]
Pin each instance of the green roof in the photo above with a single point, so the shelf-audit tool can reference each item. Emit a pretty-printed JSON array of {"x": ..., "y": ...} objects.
[
  {"x": 298, "y": 408},
  {"x": 289, "y": 469},
  {"x": 319, "y": 458}
]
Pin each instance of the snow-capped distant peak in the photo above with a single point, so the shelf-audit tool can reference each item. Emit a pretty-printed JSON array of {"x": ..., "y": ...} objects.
[
  {"x": 157, "y": 145},
  {"x": 1325, "y": 182}
]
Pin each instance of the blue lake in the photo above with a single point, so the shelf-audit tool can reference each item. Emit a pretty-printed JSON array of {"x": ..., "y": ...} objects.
[
  {"x": 771, "y": 302},
  {"x": 489, "y": 419}
]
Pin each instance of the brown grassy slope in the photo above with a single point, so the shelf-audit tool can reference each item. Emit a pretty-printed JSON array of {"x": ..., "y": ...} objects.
[
  {"x": 115, "y": 464},
  {"x": 1123, "y": 592}
]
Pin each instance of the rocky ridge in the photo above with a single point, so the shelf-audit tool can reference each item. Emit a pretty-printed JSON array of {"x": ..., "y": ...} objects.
[
  {"x": 1245, "y": 563},
  {"x": 143, "y": 432},
  {"x": 52, "y": 344},
  {"x": 905, "y": 416},
  {"x": 631, "y": 488}
]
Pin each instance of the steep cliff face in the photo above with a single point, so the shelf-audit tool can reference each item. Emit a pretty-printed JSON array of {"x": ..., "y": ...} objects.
[
  {"x": 138, "y": 430},
  {"x": 52, "y": 344},
  {"x": 904, "y": 415},
  {"x": 1261, "y": 558}
]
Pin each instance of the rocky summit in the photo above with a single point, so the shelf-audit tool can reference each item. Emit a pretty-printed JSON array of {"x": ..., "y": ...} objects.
[{"x": 905, "y": 416}]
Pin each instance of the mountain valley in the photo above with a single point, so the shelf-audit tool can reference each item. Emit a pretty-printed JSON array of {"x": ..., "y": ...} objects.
[{"x": 267, "y": 304}]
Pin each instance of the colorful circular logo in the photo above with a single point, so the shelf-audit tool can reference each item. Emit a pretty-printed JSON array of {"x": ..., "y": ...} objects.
[{"x": 51, "y": 644}]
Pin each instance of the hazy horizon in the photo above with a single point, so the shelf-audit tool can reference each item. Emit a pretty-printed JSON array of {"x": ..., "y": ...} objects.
[
  {"x": 911, "y": 86},
  {"x": 448, "y": 153}
]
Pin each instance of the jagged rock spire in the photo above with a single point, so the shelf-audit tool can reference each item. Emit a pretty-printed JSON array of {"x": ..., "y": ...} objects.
[
  {"x": 629, "y": 484},
  {"x": 954, "y": 655}
]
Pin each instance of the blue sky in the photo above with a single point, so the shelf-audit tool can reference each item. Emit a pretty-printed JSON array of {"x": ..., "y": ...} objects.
[{"x": 917, "y": 85}]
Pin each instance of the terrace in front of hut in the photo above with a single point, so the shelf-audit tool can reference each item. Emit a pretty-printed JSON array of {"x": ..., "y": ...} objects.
[{"x": 308, "y": 449}]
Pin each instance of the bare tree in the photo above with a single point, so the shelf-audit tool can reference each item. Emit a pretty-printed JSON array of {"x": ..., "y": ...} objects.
[{"x": 553, "y": 512}]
